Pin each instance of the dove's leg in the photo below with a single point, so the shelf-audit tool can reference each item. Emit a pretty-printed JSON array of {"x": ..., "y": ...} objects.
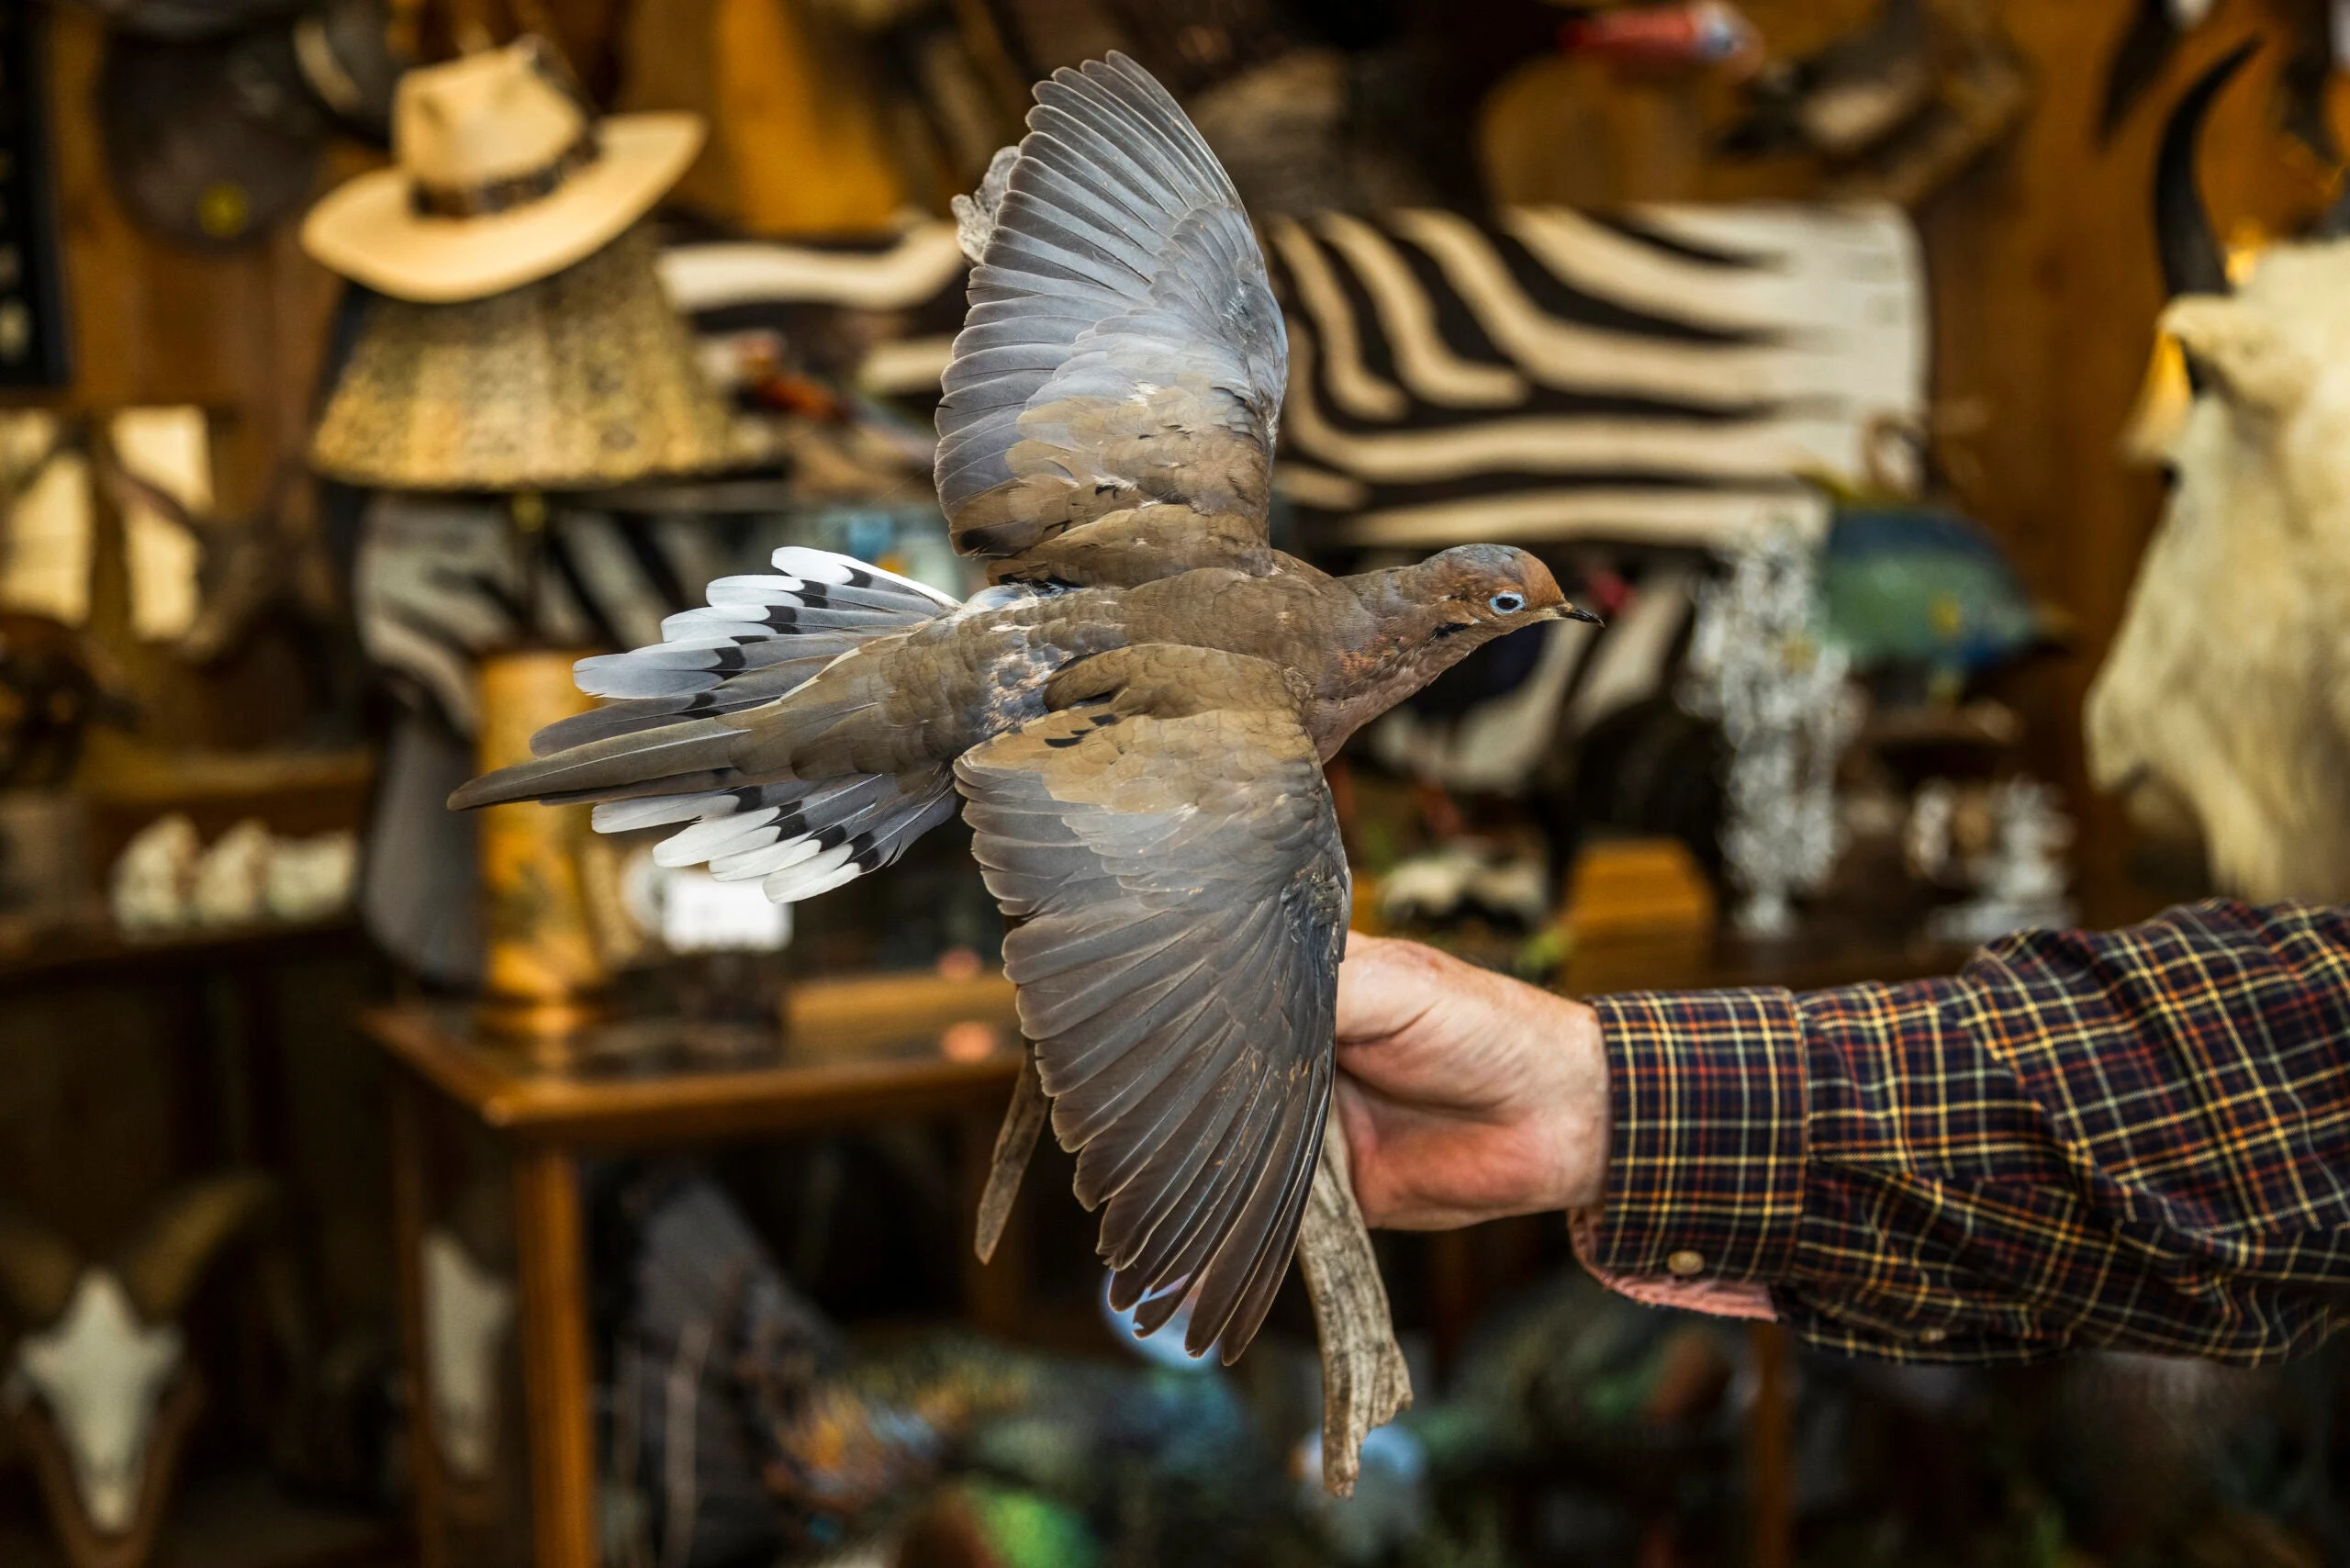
[
  {"x": 1364, "y": 1380},
  {"x": 1013, "y": 1145}
]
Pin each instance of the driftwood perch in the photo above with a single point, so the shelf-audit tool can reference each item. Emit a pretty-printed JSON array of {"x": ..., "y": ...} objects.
[
  {"x": 1013, "y": 1145},
  {"x": 1364, "y": 1380}
]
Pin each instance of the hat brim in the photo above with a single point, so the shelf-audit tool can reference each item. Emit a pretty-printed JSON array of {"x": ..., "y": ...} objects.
[{"x": 368, "y": 230}]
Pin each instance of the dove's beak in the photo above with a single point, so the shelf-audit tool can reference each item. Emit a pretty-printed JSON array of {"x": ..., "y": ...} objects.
[{"x": 1571, "y": 613}]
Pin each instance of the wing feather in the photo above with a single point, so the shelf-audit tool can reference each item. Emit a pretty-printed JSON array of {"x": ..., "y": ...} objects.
[
  {"x": 1179, "y": 898},
  {"x": 1118, "y": 312}
]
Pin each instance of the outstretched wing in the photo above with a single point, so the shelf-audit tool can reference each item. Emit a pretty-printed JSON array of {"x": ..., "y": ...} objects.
[
  {"x": 1179, "y": 902},
  {"x": 1110, "y": 407}
]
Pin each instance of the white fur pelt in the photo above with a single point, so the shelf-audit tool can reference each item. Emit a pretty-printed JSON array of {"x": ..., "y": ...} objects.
[{"x": 2225, "y": 706}]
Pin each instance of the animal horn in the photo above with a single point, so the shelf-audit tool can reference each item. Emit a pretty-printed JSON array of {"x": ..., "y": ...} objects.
[
  {"x": 36, "y": 1270},
  {"x": 126, "y": 489},
  {"x": 2192, "y": 260},
  {"x": 161, "y": 1265}
]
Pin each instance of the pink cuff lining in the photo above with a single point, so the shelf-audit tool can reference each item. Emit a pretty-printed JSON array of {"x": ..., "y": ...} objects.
[{"x": 1716, "y": 1298}]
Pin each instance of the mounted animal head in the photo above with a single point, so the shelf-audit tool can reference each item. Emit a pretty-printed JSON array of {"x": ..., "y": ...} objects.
[
  {"x": 269, "y": 560},
  {"x": 467, "y": 1310},
  {"x": 102, "y": 1346},
  {"x": 2222, "y": 712}
]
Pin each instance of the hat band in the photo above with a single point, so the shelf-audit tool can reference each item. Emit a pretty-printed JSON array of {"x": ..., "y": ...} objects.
[{"x": 486, "y": 197}]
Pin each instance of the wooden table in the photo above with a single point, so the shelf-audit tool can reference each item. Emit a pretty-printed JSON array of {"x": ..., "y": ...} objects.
[{"x": 854, "y": 1052}]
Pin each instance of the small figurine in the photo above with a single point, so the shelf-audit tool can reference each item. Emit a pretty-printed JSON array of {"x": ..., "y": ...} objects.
[
  {"x": 311, "y": 879},
  {"x": 231, "y": 884},
  {"x": 2020, "y": 877},
  {"x": 153, "y": 885},
  {"x": 1465, "y": 877}
]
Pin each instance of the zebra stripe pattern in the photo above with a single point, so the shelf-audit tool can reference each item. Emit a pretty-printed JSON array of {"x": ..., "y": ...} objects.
[{"x": 1666, "y": 376}]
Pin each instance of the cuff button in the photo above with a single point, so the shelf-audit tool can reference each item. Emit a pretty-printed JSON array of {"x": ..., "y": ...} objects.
[{"x": 1686, "y": 1263}]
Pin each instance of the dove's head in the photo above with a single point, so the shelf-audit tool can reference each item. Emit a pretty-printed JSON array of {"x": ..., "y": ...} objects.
[
  {"x": 1492, "y": 588},
  {"x": 1451, "y": 604}
]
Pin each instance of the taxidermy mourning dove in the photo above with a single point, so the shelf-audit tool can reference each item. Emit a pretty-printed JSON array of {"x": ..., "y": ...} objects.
[{"x": 1134, "y": 715}]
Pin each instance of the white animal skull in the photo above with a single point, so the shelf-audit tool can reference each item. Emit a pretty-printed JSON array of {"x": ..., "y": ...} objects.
[
  {"x": 2223, "y": 711},
  {"x": 102, "y": 1372},
  {"x": 467, "y": 1310},
  {"x": 101, "y": 1352}
]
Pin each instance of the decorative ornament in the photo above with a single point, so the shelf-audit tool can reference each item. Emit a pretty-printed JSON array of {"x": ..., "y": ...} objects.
[
  {"x": 1758, "y": 666},
  {"x": 2020, "y": 877}
]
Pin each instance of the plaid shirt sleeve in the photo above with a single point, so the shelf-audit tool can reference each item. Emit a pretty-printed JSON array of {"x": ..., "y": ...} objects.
[{"x": 2137, "y": 1138}]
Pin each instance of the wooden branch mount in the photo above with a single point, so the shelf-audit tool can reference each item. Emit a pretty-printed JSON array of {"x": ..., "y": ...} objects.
[{"x": 1364, "y": 1380}]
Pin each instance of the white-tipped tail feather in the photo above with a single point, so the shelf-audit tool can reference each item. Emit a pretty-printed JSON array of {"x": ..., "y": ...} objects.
[{"x": 757, "y": 642}]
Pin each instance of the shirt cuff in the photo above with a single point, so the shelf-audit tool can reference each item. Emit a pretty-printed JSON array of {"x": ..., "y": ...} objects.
[{"x": 1706, "y": 1147}]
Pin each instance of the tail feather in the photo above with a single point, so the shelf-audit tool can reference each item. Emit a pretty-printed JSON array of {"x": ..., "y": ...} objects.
[
  {"x": 868, "y": 849},
  {"x": 676, "y": 746},
  {"x": 740, "y": 832},
  {"x": 695, "y": 746},
  {"x": 665, "y": 810},
  {"x": 820, "y": 607},
  {"x": 683, "y": 669},
  {"x": 796, "y": 836},
  {"x": 784, "y": 618},
  {"x": 632, "y": 715}
]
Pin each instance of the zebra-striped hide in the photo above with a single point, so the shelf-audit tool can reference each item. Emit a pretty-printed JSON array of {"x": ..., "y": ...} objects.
[
  {"x": 1660, "y": 377},
  {"x": 1663, "y": 376}
]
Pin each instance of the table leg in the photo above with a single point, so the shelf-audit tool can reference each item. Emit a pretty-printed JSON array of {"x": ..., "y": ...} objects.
[
  {"x": 558, "y": 1367},
  {"x": 1770, "y": 1475},
  {"x": 409, "y": 1202}
]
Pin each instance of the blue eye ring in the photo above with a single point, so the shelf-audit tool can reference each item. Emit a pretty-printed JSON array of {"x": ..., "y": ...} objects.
[{"x": 1507, "y": 603}]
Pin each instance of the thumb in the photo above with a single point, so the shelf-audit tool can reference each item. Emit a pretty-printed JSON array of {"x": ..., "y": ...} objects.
[{"x": 1384, "y": 986}]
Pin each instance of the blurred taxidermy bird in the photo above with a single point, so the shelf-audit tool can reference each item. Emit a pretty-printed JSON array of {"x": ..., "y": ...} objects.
[{"x": 1135, "y": 712}]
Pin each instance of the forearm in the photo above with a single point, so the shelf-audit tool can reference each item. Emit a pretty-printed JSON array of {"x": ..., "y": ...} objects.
[{"x": 2140, "y": 1139}]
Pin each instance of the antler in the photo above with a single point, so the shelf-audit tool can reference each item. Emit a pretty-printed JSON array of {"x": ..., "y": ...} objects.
[
  {"x": 161, "y": 1265},
  {"x": 127, "y": 489},
  {"x": 37, "y": 1269}
]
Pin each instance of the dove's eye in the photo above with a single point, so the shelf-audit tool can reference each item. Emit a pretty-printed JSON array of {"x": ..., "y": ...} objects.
[{"x": 1507, "y": 603}]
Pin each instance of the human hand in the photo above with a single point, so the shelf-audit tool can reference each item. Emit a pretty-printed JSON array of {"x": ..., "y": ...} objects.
[{"x": 1466, "y": 1095}]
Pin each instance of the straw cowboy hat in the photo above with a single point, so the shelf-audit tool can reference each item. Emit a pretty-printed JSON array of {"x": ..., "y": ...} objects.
[
  {"x": 584, "y": 379},
  {"x": 503, "y": 175}
]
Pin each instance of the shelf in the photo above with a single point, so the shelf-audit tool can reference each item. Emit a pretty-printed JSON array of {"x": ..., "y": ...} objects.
[
  {"x": 238, "y": 1519},
  {"x": 88, "y": 952}
]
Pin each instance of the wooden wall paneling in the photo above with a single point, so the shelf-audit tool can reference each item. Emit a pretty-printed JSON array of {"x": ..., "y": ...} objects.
[
  {"x": 239, "y": 333},
  {"x": 97, "y": 1067},
  {"x": 2045, "y": 293},
  {"x": 155, "y": 322}
]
